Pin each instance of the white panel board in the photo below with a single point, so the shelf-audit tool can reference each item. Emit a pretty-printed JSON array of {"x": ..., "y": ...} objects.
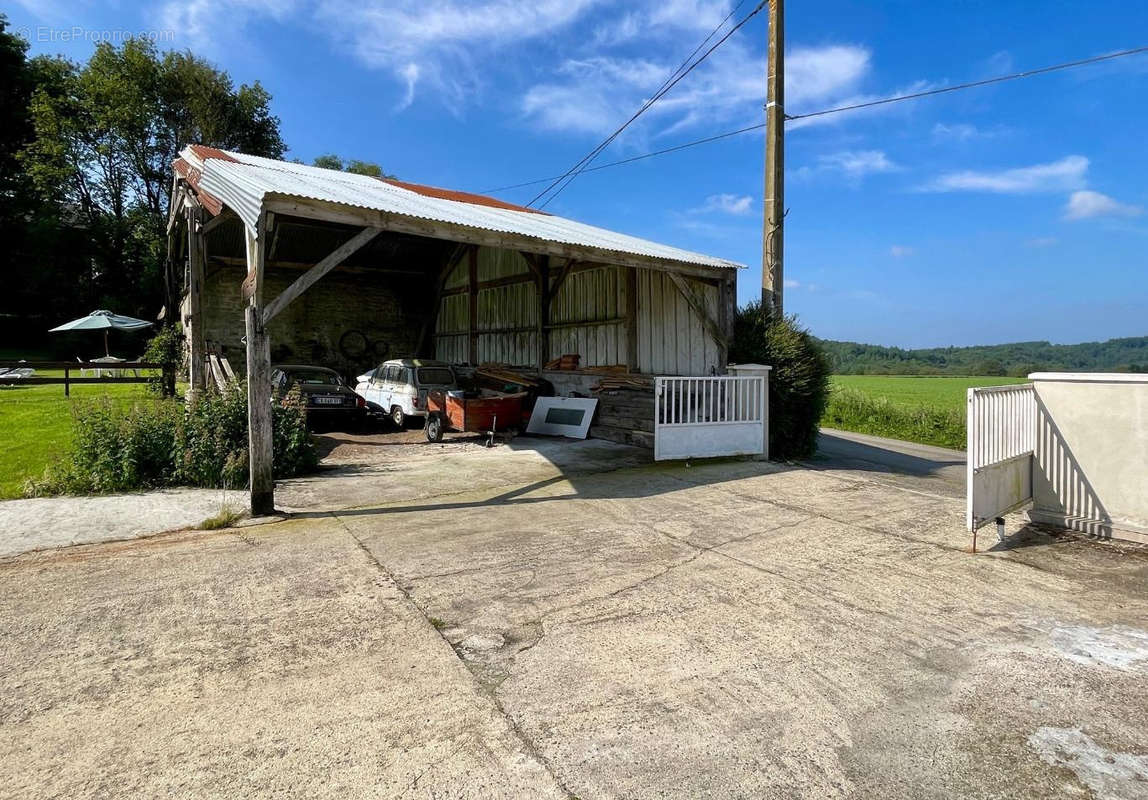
[
  {"x": 709, "y": 441},
  {"x": 562, "y": 416},
  {"x": 1000, "y": 488}
]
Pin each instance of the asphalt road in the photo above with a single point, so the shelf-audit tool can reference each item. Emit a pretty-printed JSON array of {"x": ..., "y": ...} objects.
[{"x": 936, "y": 468}]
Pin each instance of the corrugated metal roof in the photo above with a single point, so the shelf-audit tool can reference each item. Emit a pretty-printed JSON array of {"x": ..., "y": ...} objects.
[{"x": 242, "y": 182}]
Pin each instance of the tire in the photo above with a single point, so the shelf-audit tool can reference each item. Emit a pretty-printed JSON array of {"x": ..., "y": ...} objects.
[
  {"x": 434, "y": 428},
  {"x": 398, "y": 417}
]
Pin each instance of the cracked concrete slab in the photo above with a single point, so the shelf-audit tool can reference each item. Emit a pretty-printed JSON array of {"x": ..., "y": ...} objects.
[
  {"x": 279, "y": 662},
  {"x": 535, "y": 622}
]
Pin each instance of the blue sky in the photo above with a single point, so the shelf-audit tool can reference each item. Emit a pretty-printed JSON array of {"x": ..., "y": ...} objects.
[{"x": 1015, "y": 212}]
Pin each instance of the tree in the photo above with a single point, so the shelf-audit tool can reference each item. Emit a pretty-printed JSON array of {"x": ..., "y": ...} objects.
[
  {"x": 798, "y": 383},
  {"x": 329, "y": 161},
  {"x": 104, "y": 136},
  {"x": 332, "y": 161}
]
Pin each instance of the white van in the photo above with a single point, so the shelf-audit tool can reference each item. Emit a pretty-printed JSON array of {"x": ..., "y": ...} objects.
[{"x": 399, "y": 387}]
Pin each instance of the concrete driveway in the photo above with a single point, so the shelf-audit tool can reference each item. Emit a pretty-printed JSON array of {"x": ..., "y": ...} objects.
[{"x": 520, "y": 629}]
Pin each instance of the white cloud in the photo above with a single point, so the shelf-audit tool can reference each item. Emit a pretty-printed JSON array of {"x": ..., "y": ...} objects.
[
  {"x": 792, "y": 284},
  {"x": 409, "y": 73},
  {"x": 857, "y": 163},
  {"x": 442, "y": 40},
  {"x": 901, "y": 251},
  {"x": 1086, "y": 204},
  {"x": 1064, "y": 175},
  {"x": 961, "y": 131},
  {"x": 817, "y": 73},
  {"x": 728, "y": 204},
  {"x": 601, "y": 92}
]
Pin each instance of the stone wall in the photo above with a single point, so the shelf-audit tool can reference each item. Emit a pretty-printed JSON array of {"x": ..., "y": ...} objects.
[{"x": 349, "y": 321}]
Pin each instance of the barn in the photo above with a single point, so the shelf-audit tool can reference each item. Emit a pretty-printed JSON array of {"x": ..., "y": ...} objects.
[{"x": 287, "y": 262}]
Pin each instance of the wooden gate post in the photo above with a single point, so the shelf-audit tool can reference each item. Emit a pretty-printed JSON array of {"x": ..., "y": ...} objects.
[
  {"x": 195, "y": 270},
  {"x": 259, "y": 440}
]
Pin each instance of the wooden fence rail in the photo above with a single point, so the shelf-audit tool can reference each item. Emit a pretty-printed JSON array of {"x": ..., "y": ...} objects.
[{"x": 83, "y": 366}]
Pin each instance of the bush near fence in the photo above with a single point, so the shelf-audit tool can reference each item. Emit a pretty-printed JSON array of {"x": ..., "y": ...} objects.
[
  {"x": 855, "y": 410},
  {"x": 161, "y": 442}
]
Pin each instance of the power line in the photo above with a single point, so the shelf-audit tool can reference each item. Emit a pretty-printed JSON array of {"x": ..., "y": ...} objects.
[
  {"x": 632, "y": 159},
  {"x": 972, "y": 84},
  {"x": 572, "y": 173},
  {"x": 836, "y": 110},
  {"x": 668, "y": 84}
]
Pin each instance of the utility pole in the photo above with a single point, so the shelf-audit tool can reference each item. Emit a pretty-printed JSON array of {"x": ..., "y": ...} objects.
[{"x": 772, "y": 274}]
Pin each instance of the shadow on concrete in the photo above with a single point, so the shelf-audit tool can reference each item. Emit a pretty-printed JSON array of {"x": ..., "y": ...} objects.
[{"x": 582, "y": 465}]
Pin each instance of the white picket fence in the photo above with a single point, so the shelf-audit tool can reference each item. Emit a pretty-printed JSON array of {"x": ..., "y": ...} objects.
[
  {"x": 708, "y": 417},
  {"x": 1001, "y": 429}
]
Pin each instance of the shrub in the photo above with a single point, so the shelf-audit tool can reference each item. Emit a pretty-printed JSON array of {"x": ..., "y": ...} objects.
[
  {"x": 798, "y": 383},
  {"x": 854, "y": 410},
  {"x": 166, "y": 348},
  {"x": 116, "y": 448},
  {"x": 160, "y": 442}
]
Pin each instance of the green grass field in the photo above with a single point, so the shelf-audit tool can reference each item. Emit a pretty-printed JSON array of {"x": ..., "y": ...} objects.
[
  {"x": 937, "y": 390},
  {"x": 915, "y": 408},
  {"x": 36, "y": 426}
]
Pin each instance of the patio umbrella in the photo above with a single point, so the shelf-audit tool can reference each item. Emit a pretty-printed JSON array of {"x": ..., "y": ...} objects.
[{"x": 102, "y": 321}]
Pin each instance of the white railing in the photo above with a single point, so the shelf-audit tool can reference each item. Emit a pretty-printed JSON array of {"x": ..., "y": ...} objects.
[
  {"x": 1001, "y": 423},
  {"x": 1001, "y": 430},
  {"x": 707, "y": 417}
]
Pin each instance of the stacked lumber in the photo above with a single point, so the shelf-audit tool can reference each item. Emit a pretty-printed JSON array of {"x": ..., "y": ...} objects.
[
  {"x": 625, "y": 410},
  {"x": 570, "y": 361},
  {"x": 501, "y": 373},
  {"x": 640, "y": 383}
]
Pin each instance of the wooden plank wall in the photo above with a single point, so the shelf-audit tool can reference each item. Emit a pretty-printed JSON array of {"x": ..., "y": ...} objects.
[
  {"x": 672, "y": 340},
  {"x": 588, "y": 316}
]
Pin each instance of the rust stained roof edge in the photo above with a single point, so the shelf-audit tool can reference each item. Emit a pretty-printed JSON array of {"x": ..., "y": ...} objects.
[
  {"x": 462, "y": 197},
  {"x": 190, "y": 174}
]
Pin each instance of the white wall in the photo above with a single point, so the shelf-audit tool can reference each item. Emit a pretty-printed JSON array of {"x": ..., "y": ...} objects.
[{"x": 1091, "y": 469}]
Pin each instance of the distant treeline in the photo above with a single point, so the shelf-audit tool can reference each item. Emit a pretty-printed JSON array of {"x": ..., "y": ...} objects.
[{"x": 1017, "y": 358}]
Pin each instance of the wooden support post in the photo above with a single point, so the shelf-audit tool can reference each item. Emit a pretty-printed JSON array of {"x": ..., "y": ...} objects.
[
  {"x": 430, "y": 322},
  {"x": 473, "y": 315},
  {"x": 543, "y": 273},
  {"x": 727, "y": 309},
  {"x": 67, "y": 389},
  {"x": 195, "y": 270},
  {"x": 631, "y": 274},
  {"x": 259, "y": 438}
]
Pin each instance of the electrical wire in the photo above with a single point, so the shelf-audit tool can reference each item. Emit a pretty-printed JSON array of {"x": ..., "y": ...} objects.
[
  {"x": 836, "y": 110},
  {"x": 632, "y": 159},
  {"x": 971, "y": 84},
  {"x": 573, "y": 172}
]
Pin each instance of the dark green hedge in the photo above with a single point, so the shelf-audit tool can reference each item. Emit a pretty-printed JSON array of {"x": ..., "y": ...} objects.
[{"x": 798, "y": 384}]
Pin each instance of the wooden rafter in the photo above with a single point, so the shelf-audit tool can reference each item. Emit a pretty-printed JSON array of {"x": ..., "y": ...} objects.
[
  {"x": 308, "y": 278},
  {"x": 699, "y": 307}
]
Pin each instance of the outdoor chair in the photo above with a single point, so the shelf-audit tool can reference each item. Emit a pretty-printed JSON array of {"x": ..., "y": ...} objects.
[{"x": 83, "y": 371}]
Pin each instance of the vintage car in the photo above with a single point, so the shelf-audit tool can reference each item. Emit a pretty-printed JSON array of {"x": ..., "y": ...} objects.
[
  {"x": 330, "y": 401},
  {"x": 398, "y": 388}
]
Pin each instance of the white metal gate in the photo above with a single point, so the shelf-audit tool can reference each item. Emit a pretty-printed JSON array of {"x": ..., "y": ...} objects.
[
  {"x": 707, "y": 417},
  {"x": 1001, "y": 429}
]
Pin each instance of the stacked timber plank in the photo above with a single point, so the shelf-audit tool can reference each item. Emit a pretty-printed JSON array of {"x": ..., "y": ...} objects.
[{"x": 625, "y": 410}]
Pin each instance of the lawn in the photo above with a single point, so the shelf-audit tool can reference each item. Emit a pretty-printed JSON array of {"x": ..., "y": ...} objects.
[
  {"x": 916, "y": 408},
  {"x": 36, "y": 426},
  {"x": 938, "y": 390}
]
